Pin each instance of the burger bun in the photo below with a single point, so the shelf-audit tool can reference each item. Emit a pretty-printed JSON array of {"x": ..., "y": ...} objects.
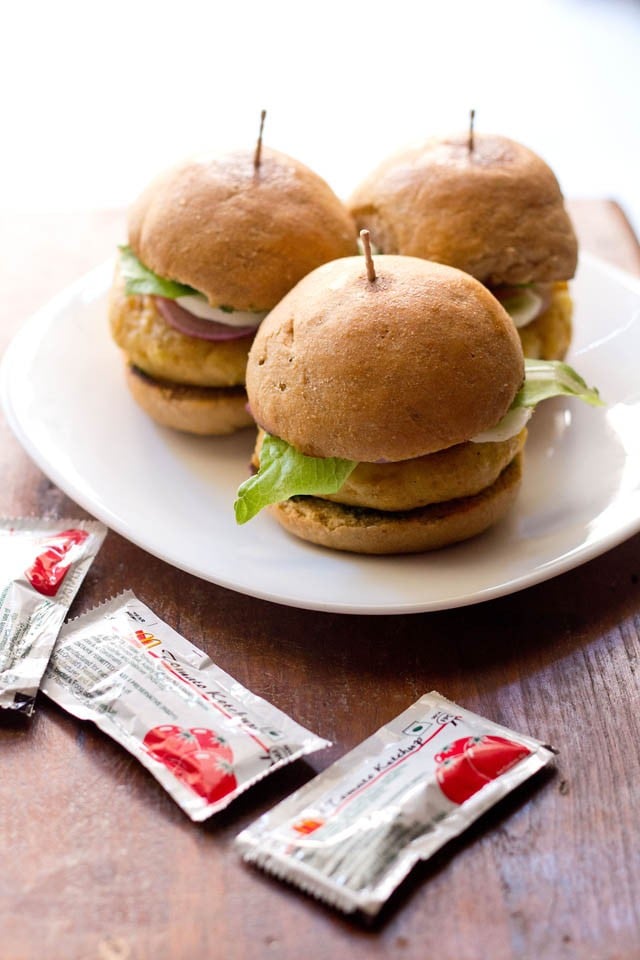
[
  {"x": 495, "y": 211},
  {"x": 239, "y": 234},
  {"x": 420, "y": 359}
]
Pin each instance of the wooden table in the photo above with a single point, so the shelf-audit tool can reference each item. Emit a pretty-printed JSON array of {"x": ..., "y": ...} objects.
[{"x": 98, "y": 863}]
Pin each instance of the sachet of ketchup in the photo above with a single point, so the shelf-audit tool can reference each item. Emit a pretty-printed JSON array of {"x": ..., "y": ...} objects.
[{"x": 50, "y": 567}]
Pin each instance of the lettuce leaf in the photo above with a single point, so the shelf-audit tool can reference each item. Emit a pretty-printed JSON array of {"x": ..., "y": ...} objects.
[
  {"x": 544, "y": 379},
  {"x": 286, "y": 473},
  {"x": 138, "y": 279}
]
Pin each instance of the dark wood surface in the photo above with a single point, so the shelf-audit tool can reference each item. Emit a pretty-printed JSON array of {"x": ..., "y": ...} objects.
[{"x": 96, "y": 860}]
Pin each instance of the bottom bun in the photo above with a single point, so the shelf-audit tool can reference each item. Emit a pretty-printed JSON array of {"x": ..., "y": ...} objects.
[
  {"x": 207, "y": 411},
  {"x": 359, "y": 530}
]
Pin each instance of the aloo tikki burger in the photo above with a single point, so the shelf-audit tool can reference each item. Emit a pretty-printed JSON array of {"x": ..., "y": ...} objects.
[
  {"x": 491, "y": 207},
  {"x": 213, "y": 245},
  {"x": 392, "y": 405}
]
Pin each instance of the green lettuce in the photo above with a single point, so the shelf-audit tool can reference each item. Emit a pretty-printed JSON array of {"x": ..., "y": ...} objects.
[
  {"x": 138, "y": 279},
  {"x": 544, "y": 379},
  {"x": 284, "y": 473}
]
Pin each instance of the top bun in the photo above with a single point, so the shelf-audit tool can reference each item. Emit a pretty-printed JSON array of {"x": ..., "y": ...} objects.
[
  {"x": 418, "y": 360},
  {"x": 240, "y": 235},
  {"x": 495, "y": 211}
]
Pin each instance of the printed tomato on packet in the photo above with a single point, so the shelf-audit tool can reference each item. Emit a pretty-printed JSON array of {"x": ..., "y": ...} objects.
[
  {"x": 203, "y": 736},
  {"x": 42, "y": 564},
  {"x": 352, "y": 834}
]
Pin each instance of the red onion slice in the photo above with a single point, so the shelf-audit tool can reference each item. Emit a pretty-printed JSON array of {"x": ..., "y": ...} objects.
[{"x": 192, "y": 326}]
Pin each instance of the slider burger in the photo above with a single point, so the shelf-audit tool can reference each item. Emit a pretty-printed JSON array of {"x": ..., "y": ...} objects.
[
  {"x": 213, "y": 245},
  {"x": 392, "y": 406},
  {"x": 490, "y": 207}
]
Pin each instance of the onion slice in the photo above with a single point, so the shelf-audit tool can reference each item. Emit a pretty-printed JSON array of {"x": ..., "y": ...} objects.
[
  {"x": 192, "y": 326},
  {"x": 524, "y": 304},
  {"x": 511, "y": 424},
  {"x": 197, "y": 304}
]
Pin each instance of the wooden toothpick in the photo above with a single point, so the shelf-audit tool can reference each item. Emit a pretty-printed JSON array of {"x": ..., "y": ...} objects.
[
  {"x": 258, "y": 154},
  {"x": 366, "y": 243},
  {"x": 472, "y": 116}
]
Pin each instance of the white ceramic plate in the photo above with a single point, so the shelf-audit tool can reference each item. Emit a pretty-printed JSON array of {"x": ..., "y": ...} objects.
[{"x": 64, "y": 396}]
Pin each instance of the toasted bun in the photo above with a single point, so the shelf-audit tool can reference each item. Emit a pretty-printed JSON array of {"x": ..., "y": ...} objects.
[
  {"x": 427, "y": 528},
  {"x": 241, "y": 236},
  {"x": 496, "y": 211},
  {"x": 420, "y": 359},
  {"x": 208, "y": 411}
]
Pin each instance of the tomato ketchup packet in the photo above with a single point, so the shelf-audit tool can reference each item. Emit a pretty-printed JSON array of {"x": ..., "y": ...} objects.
[
  {"x": 352, "y": 834},
  {"x": 203, "y": 736},
  {"x": 42, "y": 564}
]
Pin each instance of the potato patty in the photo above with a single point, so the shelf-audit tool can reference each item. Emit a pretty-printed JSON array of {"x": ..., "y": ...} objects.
[
  {"x": 460, "y": 471},
  {"x": 156, "y": 348},
  {"x": 549, "y": 335}
]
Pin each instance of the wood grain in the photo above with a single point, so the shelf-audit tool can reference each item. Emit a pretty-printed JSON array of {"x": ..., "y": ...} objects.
[{"x": 99, "y": 863}]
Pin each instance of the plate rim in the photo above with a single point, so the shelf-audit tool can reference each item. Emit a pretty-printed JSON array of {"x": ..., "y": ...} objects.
[{"x": 24, "y": 344}]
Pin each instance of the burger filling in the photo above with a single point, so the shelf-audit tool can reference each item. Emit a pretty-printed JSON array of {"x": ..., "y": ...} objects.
[
  {"x": 284, "y": 472},
  {"x": 524, "y": 302},
  {"x": 459, "y": 471},
  {"x": 542, "y": 313},
  {"x": 160, "y": 350},
  {"x": 184, "y": 308}
]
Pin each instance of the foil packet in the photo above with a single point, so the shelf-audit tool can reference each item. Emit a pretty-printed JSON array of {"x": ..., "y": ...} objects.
[
  {"x": 351, "y": 835},
  {"x": 202, "y": 735},
  {"x": 42, "y": 564}
]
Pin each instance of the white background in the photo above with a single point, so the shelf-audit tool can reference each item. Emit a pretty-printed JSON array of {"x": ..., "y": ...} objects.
[{"x": 98, "y": 97}]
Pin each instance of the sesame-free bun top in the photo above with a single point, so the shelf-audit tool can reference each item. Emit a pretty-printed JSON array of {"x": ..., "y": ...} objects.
[
  {"x": 419, "y": 359},
  {"x": 495, "y": 211},
  {"x": 241, "y": 235}
]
